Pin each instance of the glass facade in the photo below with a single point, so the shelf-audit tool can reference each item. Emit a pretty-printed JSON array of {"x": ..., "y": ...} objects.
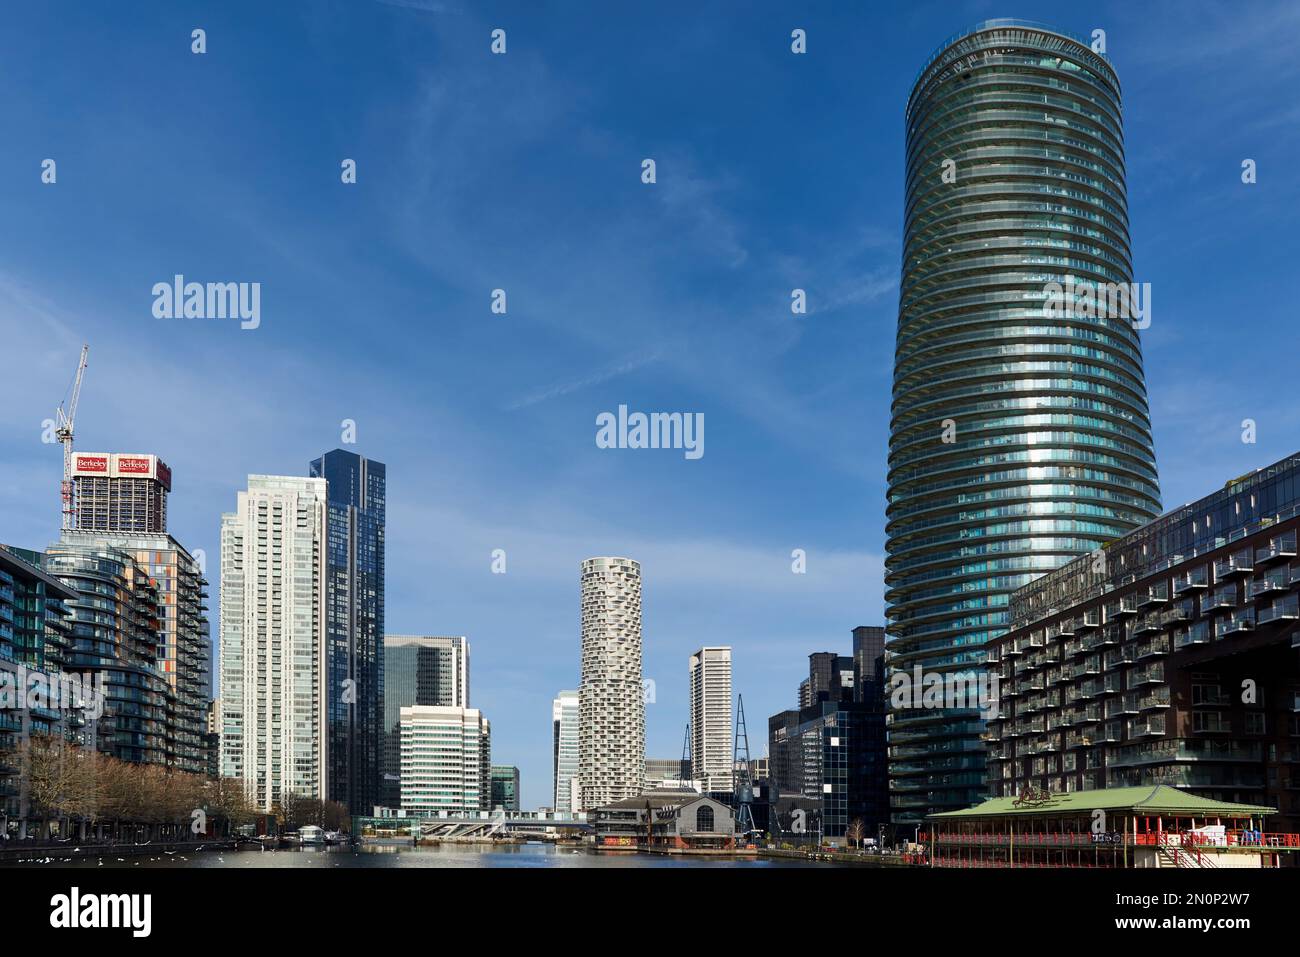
[
  {"x": 418, "y": 670},
  {"x": 116, "y": 630},
  {"x": 1020, "y": 435},
  {"x": 354, "y": 660}
]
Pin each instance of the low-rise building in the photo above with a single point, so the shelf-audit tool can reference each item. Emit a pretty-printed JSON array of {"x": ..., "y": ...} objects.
[
  {"x": 1136, "y": 827},
  {"x": 667, "y": 820}
]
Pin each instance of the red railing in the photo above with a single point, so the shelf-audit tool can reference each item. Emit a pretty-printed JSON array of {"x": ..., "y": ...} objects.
[{"x": 1235, "y": 838}]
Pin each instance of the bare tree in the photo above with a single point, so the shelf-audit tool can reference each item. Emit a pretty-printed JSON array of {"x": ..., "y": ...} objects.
[{"x": 856, "y": 831}]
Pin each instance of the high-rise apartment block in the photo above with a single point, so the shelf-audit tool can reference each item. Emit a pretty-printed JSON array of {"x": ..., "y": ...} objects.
[
  {"x": 121, "y": 503},
  {"x": 1170, "y": 658},
  {"x": 273, "y": 631},
  {"x": 611, "y": 731},
  {"x": 354, "y": 648},
  {"x": 35, "y": 627},
  {"x": 117, "y": 626},
  {"x": 1020, "y": 435},
  {"x": 710, "y": 696}
]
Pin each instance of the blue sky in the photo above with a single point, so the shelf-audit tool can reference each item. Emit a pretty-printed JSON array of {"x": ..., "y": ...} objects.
[{"x": 522, "y": 172}]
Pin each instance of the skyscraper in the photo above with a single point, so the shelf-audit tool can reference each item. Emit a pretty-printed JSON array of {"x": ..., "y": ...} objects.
[
  {"x": 121, "y": 502},
  {"x": 565, "y": 793},
  {"x": 711, "y": 743},
  {"x": 611, "y": 729},
  {"x": 354, "y": 680},
  {"x": 418, "y": 670},
  {"x": 272, "y": 633},
  {"x": 1018, "y": 439}
]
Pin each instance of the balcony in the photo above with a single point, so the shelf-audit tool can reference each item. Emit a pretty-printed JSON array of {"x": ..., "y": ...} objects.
[
  {"x": 1198, "y": 634},
  {"x": 1147, "y": 624},
  {"x": 1192, "y": 581},
  {"x": 1273, "y": 582},
  {"x": 1281, "y": 548},
  {"x": 1111, "y": 634},
  {"x": 1153, "y": 648},
  {"x": 1125, "y": 606},
  {"x": 1239, "y": 563},
  {"x": 1240, "y": 622},
  {"x": 1147, "y": 727},
  {"x": 1177, "y": 612},
  {"x": 1284, "y": 609},
  {"x": 1087, "y": 621},
  {"x": 1153, "y": 597},
  {"x": 1153, "y": 673},
  {"x": 1219, "y": 598}
]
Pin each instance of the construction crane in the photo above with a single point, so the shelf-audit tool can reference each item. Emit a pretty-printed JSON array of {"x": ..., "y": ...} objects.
[
  {"x": 63, "y": 423},
  {"x": 686, "y": 771},
  {"x": 741, "y": 777}
]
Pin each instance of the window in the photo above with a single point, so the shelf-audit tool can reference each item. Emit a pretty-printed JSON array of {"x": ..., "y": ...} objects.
[{"x": 704, "y": 818}]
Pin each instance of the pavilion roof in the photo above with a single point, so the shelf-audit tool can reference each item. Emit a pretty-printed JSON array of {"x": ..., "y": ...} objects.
[{"x": 1145, "y": 799}]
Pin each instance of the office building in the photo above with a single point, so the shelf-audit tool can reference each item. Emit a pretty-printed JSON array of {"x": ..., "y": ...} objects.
[
  {"x": 505, "y": 788},
  {"x": 611, "y": 729},
  {"x": 272, "y": 632},
  {"x": 868, "y": 663},
  {"x": 710, "y": 696},
  {"x": 827, "y": 759},
  {"x": 446, "y": 761},
  {"x": 566, "y": 792},
  {"x": 1020, "y": 435},
  {"x": 354, "y": 660},
  {"x": 666, "y": 774},
  {"x": 418, "y": 670},
  {"x": 1170, "y": 661}
]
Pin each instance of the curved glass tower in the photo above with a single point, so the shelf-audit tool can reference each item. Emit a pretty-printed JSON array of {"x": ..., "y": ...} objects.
[{"x": 1018, "y": 438}]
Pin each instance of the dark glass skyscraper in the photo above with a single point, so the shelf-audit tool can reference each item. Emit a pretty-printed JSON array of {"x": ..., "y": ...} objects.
[
  {"x": 354, "y": 635},
  {"x": 1018, "y": 440}
]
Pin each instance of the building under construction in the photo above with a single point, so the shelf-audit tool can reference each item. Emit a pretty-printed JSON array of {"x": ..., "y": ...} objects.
[{"x": 120, "y": 493}]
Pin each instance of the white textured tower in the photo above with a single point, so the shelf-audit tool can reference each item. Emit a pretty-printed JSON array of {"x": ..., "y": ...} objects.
[
  {"x": 273, "y": 639},
  {"x": 711, "y": 742},
  {"x": 611, "y": 726}
]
